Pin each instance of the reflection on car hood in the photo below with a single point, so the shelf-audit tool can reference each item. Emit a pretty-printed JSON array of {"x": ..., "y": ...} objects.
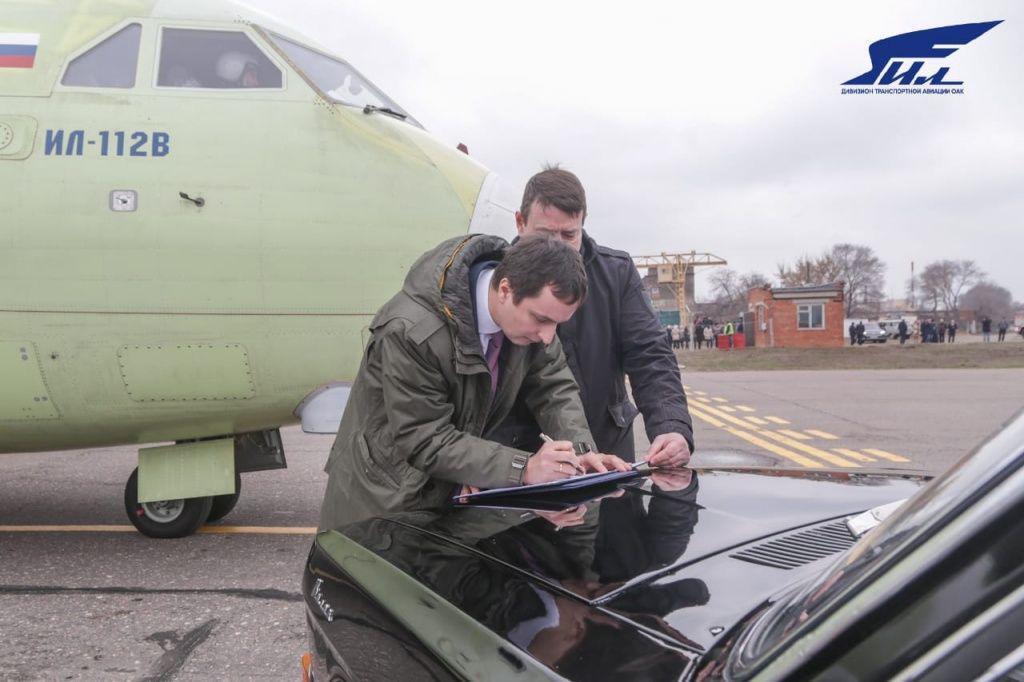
[{"x": 652, "y": 556}]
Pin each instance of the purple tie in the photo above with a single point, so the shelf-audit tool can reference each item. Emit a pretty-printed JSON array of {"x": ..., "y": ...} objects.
[{"x": 493, "y": 351}]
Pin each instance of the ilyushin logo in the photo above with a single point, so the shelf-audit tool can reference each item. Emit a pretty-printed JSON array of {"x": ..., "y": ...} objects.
[{"x": 915, "y": 63}]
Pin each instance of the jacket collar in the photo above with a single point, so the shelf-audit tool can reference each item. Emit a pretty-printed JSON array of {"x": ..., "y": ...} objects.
[
  {"x": 589, "y": 249},
  {"x": 439, "y": 281}
]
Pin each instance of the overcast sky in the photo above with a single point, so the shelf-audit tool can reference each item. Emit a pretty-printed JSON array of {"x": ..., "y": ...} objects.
[{"x": 719, "y": 127}]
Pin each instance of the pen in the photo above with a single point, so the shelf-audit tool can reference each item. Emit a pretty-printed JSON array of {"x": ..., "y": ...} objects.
[{"x": 548, "y": 439}]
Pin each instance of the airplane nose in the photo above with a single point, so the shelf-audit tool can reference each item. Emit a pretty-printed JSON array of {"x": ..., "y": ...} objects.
[{"x": 495, "y": 209}]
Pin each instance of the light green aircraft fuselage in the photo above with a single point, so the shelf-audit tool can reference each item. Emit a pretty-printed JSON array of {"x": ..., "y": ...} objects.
[
  {"x": 190, "y": 252},
  {"x": 175, "y": 321}
]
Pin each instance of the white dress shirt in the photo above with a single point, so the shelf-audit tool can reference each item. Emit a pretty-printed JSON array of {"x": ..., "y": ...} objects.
[{"x": 485, "y": 324}]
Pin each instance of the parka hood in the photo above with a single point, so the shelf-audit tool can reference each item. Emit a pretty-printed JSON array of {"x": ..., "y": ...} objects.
[{"x": 439, "y": 281}]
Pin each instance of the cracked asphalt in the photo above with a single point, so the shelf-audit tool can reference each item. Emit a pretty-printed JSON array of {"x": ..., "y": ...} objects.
[{"x": 118, "y": 606}]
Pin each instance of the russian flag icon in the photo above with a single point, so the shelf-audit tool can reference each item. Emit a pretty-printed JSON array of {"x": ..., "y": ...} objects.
[{"x": 18, "y": 50}]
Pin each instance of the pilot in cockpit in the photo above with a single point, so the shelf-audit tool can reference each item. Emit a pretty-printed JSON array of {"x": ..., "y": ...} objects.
[{"x": 239, "y": 70}]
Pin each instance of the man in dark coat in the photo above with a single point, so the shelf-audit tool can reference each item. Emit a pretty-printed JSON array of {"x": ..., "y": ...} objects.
[
  {"x": 615, "y": 333},
  {"x": 471, "y": 333},
  {"x": 853, "y": 333},
  {"x": 903, "y": 331}
]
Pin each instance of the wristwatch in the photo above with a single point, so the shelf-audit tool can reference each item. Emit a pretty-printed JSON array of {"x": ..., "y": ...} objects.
[
  {"x": 582, "y": 447},
  {"x": 519, "y": 462}
]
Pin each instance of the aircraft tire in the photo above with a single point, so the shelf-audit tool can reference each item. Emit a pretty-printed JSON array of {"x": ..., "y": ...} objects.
[
  {"x": 223, "y": 504},
  {"x": 169, "y": 519}
]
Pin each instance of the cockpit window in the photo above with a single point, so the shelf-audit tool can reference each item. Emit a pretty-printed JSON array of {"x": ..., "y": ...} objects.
[
  {"x": 337, "y": 79},
  {"x": 192, "y": 58},
  {"x": 111, "y": 64}
]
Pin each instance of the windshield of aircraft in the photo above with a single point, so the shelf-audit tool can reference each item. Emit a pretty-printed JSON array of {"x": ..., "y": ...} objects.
[
  {"x": 338, "y": 80},
  {"x": 921, "y": 516}
]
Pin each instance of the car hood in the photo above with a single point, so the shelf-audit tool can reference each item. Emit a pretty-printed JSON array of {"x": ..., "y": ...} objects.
[{"x": 658, "y": 555}]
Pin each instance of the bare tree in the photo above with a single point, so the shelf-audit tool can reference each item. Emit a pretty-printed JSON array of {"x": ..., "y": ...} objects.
[
  {"x": 988, "y": 299},
  {"x": 943, "y": 282},
  {"x": 855, "y": 264},
  {"x": 804, "y": 271},
  {"x": 864, "y": 275},
  {"x": 725, "y": 284},
  {"x": 730, "y": 291}
]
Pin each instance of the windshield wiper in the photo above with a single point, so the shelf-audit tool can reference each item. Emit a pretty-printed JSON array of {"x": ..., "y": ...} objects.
[{"x": 370, "y": 108}]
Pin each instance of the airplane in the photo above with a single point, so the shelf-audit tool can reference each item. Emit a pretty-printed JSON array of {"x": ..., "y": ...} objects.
[{"x": 201, "y": 211}]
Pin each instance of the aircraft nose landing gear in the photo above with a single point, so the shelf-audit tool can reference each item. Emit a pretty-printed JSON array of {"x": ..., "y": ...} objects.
[
  {"x": 196, "y": 478},
  {"x": 166, "y": 518}
]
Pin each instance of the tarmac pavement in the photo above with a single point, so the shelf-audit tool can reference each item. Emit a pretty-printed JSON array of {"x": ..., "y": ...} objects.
[
  {"x": 82, "y": 596},
  {"x": 923, "y": 420}
]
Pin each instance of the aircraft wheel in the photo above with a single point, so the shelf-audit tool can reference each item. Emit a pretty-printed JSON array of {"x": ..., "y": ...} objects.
[
  {"x": 167, "y": 518},
  {"x": 223, "y": 504}
]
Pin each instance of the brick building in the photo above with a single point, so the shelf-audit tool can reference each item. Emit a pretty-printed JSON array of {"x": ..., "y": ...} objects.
[{"x": 797, "y": 317}]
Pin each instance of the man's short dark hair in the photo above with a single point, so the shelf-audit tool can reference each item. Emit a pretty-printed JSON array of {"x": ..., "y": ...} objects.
[
  {"x": 556, "y": 187},
  {"x": 538, "y": 260}
]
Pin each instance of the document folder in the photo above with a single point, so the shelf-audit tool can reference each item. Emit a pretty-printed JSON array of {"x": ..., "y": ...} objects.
[{"x": 552, "y": 496}]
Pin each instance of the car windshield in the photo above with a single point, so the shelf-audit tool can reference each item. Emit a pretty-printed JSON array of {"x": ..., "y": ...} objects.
[
  {"x": 337, "y": 79},
  {"x": 922, "y": 515}
]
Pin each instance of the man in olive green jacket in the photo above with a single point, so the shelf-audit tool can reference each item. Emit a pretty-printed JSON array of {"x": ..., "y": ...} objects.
[{"x": 415, "y": 427}]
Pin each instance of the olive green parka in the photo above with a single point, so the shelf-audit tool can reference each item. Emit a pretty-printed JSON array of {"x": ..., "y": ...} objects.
[{"x": 416, "y": 423}]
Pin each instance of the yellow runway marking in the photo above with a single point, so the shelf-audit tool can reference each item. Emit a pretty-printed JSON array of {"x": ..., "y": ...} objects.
[
  {"x": 709, "y": 419},
  {"x": 853, "y": 454},
  {"x": 744, "y": 408},
  {"x": 205, "y": 530},
  {"x": 727, "y": 417},
  {"x": 796, "y": 445},
  {"x": 754, "y": 440},
  {"x": 886, "y": 455},
  {"x": 702, "y": 400},
  {"x": 718, "y": 416},
  {"x": 699, "y": 393},
  {"x": 720, "y": 400},
  {"x": 811, "y": 450},
  {"x": 68, "y": 529},
  {"x": 771, "y": 447}
]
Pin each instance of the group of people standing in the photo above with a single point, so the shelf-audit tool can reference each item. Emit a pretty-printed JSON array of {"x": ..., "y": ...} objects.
[
  {"x": 856, "y": 333},
  {"x": 705, "y": 334},
  {"x": 938, "y": 332},
  {"x": 1004, "y": 326},
  {"x": 679, "y": 337},
  {"x": 930, "y": 330}
]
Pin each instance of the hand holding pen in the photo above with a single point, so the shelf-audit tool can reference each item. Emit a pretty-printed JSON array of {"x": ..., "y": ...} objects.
[{"x": 556, "y": 460}]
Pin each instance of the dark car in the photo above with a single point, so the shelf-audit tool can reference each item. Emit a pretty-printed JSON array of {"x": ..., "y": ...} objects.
[{"x": 690, "y": 575}]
